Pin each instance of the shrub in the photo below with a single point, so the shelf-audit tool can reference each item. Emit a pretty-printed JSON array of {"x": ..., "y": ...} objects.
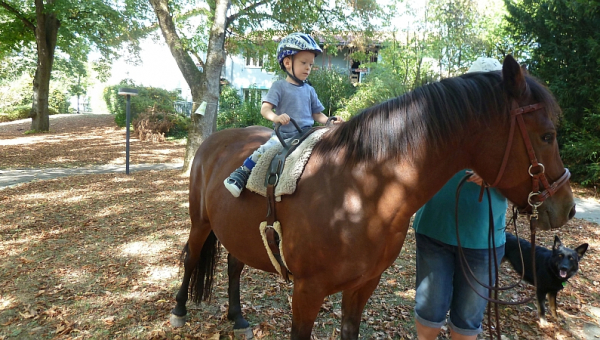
[
  {"x": 580, "y": 150},
  {"x": 334, "y": 89},
  {"x": 379, "y": 86},
  {"x": 59, "y": 101},
  {"x": 181, "y": 126},
  {"x": 156, "y": 126},
  {"x": 20, "y": 112},
  {"x": 235, "y": 112},
  {"x": 154, "y": 98}
]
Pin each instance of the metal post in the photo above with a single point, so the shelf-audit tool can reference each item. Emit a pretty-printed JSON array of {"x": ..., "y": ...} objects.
[
  {"x": 127, "y": 120},
  {"x": 128, "y": 93}
]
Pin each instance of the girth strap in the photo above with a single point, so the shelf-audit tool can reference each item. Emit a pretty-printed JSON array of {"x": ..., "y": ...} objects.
[{"x": 272, "y": 238}]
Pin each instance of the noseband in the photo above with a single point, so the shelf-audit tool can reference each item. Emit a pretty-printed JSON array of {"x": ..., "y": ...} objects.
[{"x": 536, "y": 197}]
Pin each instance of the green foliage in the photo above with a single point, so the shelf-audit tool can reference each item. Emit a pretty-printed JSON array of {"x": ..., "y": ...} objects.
[
  {"x": 16, "y": 92},
  {"x": 10, "y": 114},
  {"x": 580, "y": 149},
  {"x": 236, "y": 112},
  {"x": 157, "y": 126},
  {"x": 379, "y": 86},
  {"x": 181, "y": 124},
  {"x": 333, "y": 88},
  {"x": 148, "y": 98},
  {"x": 59, "y": 101},
  {"x": 567, "y": 56}
]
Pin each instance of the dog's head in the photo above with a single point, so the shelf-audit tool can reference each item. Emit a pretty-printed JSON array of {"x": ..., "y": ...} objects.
[{"x": 565, "y": 260}]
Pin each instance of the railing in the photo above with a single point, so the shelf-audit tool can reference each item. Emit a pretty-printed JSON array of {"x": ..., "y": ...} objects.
[{"x": 183, "y": 107}]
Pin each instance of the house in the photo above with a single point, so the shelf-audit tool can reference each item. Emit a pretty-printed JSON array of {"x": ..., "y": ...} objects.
[{"x": 246, "y": 73}]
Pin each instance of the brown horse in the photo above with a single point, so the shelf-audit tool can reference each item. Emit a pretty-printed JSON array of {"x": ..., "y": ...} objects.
[{"x": 350, "y": 214}]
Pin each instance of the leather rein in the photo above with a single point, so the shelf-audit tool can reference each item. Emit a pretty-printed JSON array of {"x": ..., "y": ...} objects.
[{"x": 535, "y": 199}]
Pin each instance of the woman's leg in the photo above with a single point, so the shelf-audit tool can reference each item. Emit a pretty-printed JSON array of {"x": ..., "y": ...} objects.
[
  {"x": 468, "y": 307},
  {"x": 435, "y": 270}
]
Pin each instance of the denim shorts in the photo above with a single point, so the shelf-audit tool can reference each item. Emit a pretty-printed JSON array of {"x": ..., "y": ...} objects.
[{"x": 442, "y": 286}]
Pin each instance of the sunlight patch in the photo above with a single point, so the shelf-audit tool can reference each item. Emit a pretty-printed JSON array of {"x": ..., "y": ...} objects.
[
  {"x": 7, "y": 302},
  {"x": 122, "y": 179},
  {"x": 143, "y": 248},
  {"x": 162, "y": 273},
  {"x": 75, "y": 276},
  {"x": 407, "y": 294}
]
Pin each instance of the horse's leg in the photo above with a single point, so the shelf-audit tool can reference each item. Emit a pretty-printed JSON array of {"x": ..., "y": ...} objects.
[
  {"x": 199, "y": 260},
  {"x": 306, "y": 302},
  {"x": 353, "y": 304},
  {"x": 234, "y": 271}
]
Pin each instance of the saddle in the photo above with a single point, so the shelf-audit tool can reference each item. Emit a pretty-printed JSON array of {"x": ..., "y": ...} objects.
[
  {"x": 271, "y": 228},
  {"x": 287, "y": 164}
]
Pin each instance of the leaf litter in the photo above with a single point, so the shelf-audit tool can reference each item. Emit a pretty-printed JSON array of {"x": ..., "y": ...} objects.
[{"x": 97, "y": 257}]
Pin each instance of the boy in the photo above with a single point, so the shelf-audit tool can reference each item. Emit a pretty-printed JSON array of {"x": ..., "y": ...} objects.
[{"x": 292, "y": 98}]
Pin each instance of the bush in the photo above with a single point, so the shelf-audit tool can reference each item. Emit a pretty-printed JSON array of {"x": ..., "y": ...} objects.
[
  {"x": 235, "y": 112},
  {"x": 155, "y": 127},
  {"x": 154, "y": 98},
  {"x": 334, "y": 89},
  {"x": 580, "y": 150},
  {"x": 59, "y": 101},
  {"x": 20, "y": 112},
  {"x": 380, "y": 85},
  {"x": 181, "y": 126}
]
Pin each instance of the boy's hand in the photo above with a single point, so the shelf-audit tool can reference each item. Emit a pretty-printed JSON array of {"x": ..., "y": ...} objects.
[
  {"x": 338, "y": 120},
  {"x": 282, "y": 119}
]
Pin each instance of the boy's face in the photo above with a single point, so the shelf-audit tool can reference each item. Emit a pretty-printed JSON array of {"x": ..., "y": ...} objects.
[{"x": 303, "y": 63}]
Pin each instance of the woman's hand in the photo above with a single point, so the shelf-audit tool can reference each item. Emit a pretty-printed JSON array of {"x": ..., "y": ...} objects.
[{"x": 475, "y": 178}]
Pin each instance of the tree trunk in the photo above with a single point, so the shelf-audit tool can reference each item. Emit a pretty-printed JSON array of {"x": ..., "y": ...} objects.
[
  {"x": 46, "y": 33},
  {"x": 204, "y": 86}
]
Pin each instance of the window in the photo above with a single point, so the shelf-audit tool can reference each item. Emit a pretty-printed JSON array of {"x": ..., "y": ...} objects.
[{"x": 253, "y": 59}]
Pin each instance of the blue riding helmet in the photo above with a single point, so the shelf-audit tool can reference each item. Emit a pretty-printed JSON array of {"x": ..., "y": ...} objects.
[{"x": 295, "y": 43}]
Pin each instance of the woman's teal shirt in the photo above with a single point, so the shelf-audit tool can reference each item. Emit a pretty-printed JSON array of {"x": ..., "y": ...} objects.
[{"x": 436, "y": 218}]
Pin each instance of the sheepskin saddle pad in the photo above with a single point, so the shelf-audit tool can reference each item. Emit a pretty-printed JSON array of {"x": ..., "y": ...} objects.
[{"x": 292, "y": 169}]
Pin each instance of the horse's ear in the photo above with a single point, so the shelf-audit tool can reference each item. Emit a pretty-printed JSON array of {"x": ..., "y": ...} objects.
[{"x": 513, "y": 77}]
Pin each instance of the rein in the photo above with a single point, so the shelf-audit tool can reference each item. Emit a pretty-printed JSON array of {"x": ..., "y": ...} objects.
[{"x": 535, "y": 199}]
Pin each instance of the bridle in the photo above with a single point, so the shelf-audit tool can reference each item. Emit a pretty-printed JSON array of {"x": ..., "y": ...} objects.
[{"x": 536, "y": 197}]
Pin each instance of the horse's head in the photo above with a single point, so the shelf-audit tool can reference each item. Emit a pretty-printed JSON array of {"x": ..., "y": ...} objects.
[{"x": 532, "y": 174}]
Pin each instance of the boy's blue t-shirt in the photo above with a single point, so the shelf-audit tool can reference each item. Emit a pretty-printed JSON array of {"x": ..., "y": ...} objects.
[
  {"x": 436, "y": 218},
  {"x": 299, "y": 102}
]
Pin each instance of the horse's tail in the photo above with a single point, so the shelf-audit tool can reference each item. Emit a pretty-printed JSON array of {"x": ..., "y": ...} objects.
[{"x": 201, "y": 280}]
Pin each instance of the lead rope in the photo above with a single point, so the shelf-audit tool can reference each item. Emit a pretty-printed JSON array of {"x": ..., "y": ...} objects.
[{"x": 492, "y": 246}]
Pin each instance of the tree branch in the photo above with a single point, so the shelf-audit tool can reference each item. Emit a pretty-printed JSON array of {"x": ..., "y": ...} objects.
[
  {"x": 18, "y": 15},
  {"x": 233, "y": 17}
]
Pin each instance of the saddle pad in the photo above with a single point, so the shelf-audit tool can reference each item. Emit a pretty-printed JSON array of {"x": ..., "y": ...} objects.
[{"x": 292, "y": 169}]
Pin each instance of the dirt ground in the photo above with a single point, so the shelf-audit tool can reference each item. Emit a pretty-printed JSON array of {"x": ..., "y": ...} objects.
[
  {"x": 79, "y": 140},
  {"x": 97, "y": 256}
]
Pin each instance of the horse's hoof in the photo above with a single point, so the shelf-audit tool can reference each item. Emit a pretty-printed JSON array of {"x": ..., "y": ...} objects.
[
  {"x": 243, "y": 333},
  {"x": 177, "y": 321}
]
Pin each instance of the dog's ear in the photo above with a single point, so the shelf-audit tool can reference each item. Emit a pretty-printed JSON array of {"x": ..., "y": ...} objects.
[
  {"x": 557, "y": 243},
  {"x": 581, "y": 249}
]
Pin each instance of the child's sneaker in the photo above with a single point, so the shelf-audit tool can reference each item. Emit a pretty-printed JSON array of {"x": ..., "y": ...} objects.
[{"x": 236, "y": 182}]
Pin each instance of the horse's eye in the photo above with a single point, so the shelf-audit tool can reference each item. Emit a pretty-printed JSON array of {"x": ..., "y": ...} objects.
[{"x": 548, "y": 138}]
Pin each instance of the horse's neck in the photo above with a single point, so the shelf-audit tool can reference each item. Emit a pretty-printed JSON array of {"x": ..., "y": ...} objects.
[{"x": 427, "y": 173}]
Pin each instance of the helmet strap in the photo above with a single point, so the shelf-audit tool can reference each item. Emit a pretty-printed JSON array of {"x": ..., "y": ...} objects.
[{"x": 293, "y": 74}]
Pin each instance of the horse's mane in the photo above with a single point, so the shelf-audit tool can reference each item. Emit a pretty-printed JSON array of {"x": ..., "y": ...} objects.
[{"x": 431, "y": 115}]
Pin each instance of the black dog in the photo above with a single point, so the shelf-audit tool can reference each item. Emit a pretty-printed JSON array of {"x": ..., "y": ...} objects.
[{"x": 553, "y": 268}]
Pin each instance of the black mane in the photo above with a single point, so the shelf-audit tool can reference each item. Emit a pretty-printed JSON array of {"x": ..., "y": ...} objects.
[{"x": 432, "y": 114}]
